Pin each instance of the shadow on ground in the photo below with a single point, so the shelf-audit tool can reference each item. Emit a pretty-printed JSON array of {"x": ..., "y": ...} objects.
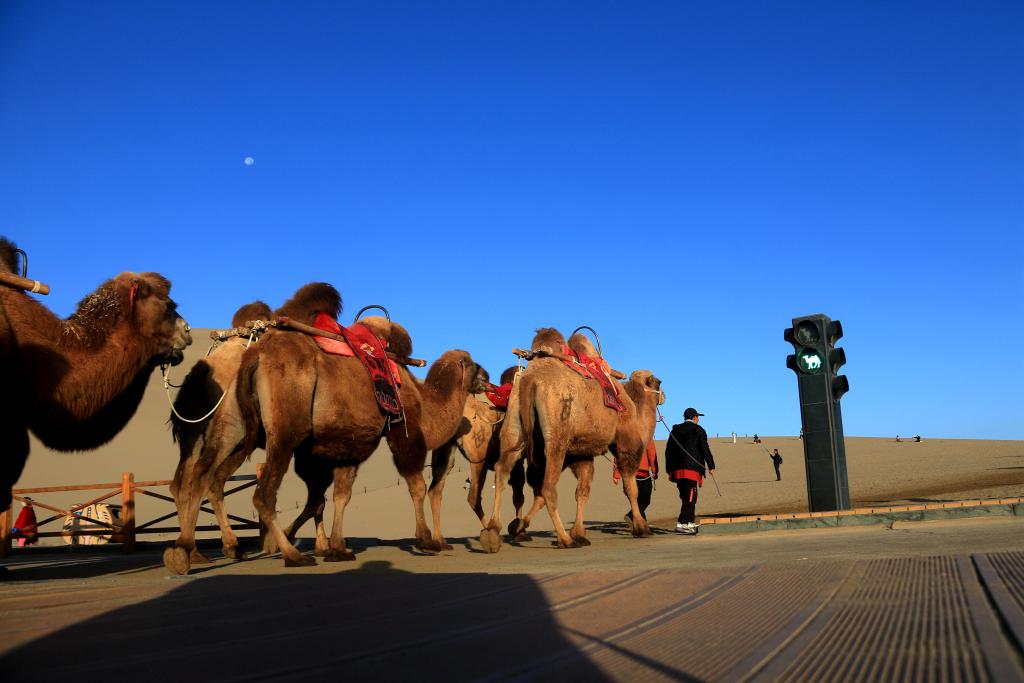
[{"x": 369, "y": 623}]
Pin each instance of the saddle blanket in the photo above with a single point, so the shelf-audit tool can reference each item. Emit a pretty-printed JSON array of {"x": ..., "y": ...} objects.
[
  {"x": 595, "y": 368},
  {"x": 498, "y": 395},
  {"x": 370, "y": 350}
]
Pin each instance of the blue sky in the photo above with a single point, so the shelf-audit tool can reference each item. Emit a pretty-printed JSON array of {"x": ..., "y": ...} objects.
[{"x": 685, "y": 177}]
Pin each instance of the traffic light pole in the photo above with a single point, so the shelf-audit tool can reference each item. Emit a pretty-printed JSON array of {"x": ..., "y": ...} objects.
[{"x": 815, "y": 364}]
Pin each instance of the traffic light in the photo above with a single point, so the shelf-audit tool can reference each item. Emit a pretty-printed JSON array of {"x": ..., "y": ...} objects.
[{"x": 816, "y": 362}]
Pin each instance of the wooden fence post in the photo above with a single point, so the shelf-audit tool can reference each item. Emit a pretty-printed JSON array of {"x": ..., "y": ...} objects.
[
  {"x": 6, "y": 520},
  {"x": 128, "y": 511}
]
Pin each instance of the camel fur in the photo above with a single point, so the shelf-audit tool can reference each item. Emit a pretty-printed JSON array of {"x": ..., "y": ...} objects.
[{"x": 75, "y": 383}]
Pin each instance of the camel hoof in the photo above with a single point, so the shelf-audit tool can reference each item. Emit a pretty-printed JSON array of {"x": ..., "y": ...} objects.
[
  {"x": 299, "y": 561},
  {"x": 321, "y": 552},
  {"x": 515, "y": 526},
  {"x": 522, "y": 537},
  {"x": 566, "y": 546},
  {"x": 447, "y": 546},
  {"x": 233, "y": 552},
  {"x": 196, "y": 557},
  {"x": 490, "y": 539},
  {"x": 176, "y": 560},
  {"x": 581, "y": 541},
  {"x": 339, "y": 555},
  {"x": 429, "y": 546}
]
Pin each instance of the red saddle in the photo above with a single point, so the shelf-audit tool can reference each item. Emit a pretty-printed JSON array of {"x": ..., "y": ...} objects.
[
  {"x": 370, "y": 350},
  {"x": 595, "y": 368}
]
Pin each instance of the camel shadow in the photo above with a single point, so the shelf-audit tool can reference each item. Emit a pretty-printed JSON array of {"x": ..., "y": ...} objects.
[
  {"x": 371, "y": 622},
  {"x": 67, "y": 562}
]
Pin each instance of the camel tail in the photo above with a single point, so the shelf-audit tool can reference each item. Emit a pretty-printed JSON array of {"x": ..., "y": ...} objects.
[
  {"x": 527, "y": 417},
  {"x": 248, "y": 402}
]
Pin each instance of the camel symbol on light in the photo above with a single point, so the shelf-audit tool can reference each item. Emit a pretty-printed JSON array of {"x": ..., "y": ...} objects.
[{"x": 812, "y": 362}]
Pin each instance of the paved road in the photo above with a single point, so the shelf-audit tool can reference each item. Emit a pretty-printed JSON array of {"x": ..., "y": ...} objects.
[{"x": 921, "y": 601}]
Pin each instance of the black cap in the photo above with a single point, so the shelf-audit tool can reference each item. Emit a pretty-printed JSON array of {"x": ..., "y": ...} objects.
[{"x": 691, "y": 413}]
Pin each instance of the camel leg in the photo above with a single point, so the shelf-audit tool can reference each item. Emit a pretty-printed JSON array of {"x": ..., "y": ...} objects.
[
  {"x": 584, "y": 471},
  {"x": 477, "y": 479},
  {"x": 196, "y": 478},
  {"x": 517, "y": 527},
  {"x": 343, "y": 478},
  {"x": 552, "y": 471},
  {"x": 317, "y": 474},
  {"x": 265, "y": 502},
  {"x": 230, "y": 465},
  {"x": 441, "y": 462},
  {"x": 14, "y": 437},
  {"x": 490, "y": 536},
  {"x": 640, "y": 527},
  {"x": 418, "y": 492}
]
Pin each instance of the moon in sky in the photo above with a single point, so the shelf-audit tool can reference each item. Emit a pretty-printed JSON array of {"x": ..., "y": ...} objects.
[{"x": 249, "y": 161}]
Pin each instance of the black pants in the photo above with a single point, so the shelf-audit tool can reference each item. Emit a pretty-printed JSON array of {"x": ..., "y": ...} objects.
[
  {"x": 644, "y": 487},
  {"x": 688, "y": 495},
  {"x": 778, "y": 472}
]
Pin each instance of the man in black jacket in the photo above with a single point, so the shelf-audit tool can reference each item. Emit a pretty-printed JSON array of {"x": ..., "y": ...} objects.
[{"x": 686, "y": 454}]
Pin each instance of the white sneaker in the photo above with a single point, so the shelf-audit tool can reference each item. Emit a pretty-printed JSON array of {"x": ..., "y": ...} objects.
[
  {"x": 680, "y": 527},
  {"x": 688, "y": 529}
]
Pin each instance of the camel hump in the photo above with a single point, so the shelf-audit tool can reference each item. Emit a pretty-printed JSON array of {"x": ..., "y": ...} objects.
[
  {"x": 8, "y": 256},
  {"x": 549, "y": 339},
  {"x": 509, "y": 375},
  {"x": 399, "y": 341},
  {"x": 316, "y": 297},
  {"x": 257, "y": 310},
  {"x": 582, "y": 345}
]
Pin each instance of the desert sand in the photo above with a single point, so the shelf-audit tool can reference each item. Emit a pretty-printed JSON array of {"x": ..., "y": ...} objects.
[{"x": 880, "y": 471}]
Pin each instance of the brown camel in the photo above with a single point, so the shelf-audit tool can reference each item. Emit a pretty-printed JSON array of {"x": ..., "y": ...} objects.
[
  {"x": 208, "y": 392},
  {"x": 211, "y": 449},
  {"x": 563, "y": 421},
  {"x": 322, "y": 408},
  {"x": 75, "y": 383},
  {"x": 478, "y": 441}
]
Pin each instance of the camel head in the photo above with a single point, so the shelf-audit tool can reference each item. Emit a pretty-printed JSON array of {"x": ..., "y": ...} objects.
[
  {"x": 454, "y": 368},
  {"x": 644, "y": 382},
  {"x": 145, "y": 297},
  {"x": 257, "y": 310}
]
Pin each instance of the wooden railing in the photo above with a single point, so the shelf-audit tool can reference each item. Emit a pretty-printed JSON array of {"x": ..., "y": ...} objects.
[{"x": 127, "y": 527}]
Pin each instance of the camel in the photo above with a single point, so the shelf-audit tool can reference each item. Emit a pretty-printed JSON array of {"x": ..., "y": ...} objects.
[
  {"x": 211, "y": 449},
  {"x": 322, "y": 408},
  {"x": 479, "y": 444},
  {"x": 563, "y": 421},
  {"x": 75, "y": 383},
  {"x": 208, "y": 390}
]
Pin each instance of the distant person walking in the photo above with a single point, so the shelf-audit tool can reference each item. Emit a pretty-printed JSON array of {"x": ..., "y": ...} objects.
[
  {"x": 645, "y": 476},
  {"x": 686, "y": 455},
  {"x": 777, "y": 461}
]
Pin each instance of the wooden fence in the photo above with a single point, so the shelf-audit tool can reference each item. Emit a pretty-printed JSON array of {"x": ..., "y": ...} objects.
[{"x": 128, "y": 528}]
